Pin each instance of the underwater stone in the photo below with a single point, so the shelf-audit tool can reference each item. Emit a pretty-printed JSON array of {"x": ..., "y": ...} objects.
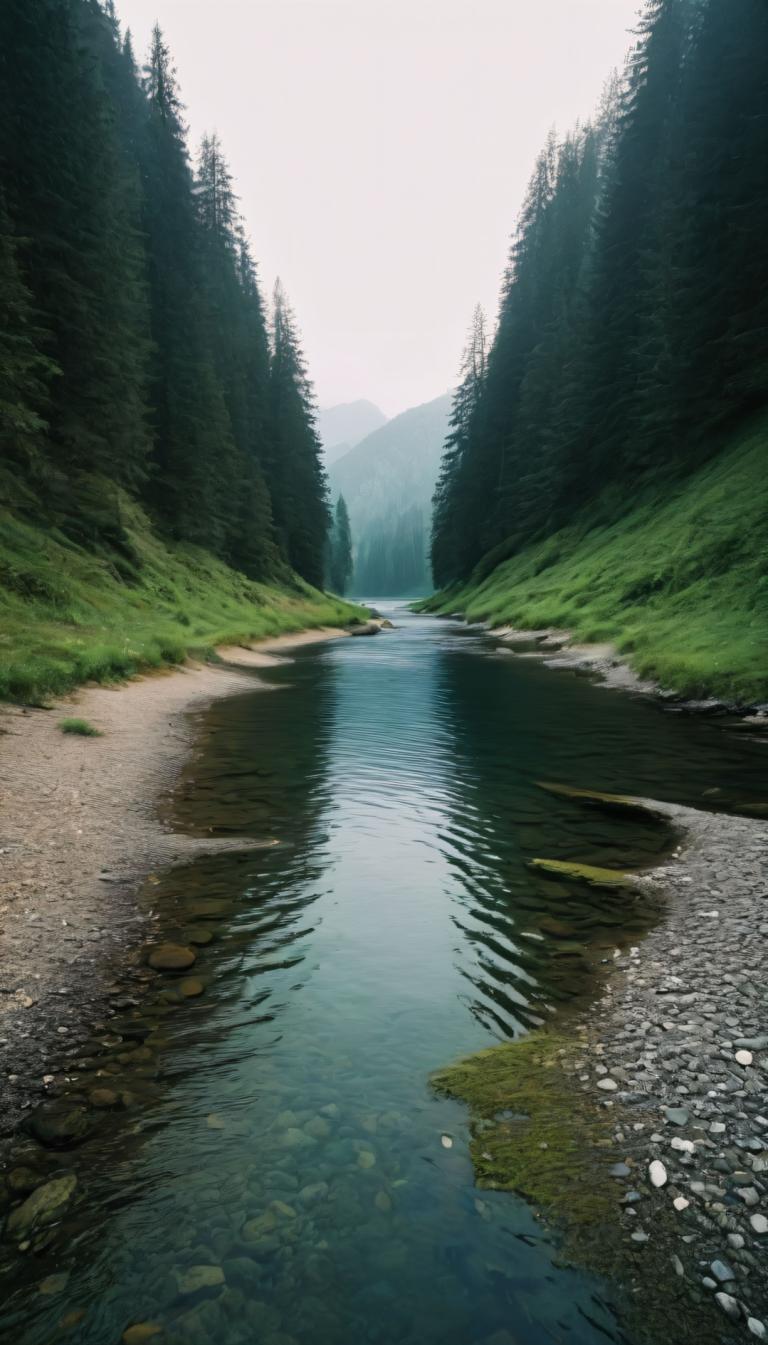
[
  {"x": 43, "y": 1207},
  {"x": 171, "y": 957}
]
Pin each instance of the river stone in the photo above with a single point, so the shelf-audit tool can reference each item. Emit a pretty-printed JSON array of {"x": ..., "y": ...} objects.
[
  {"x": 53, "y": 1284},
  {"x": 383, "y": 1202},
  {"x": 657, "y": 1173},
  {"x": 198, "y": 1279},
  {"x": 23, "y": 1181},
  {"x": 293, "y": 1138},
  {"x": 200, "y": 938},
  {"x": 103, "y": 1097},
  {"x": 191, "y": 987},
  {"x": 722, "y": 1272},
  {"x": 680, "y": 1203},
  {"x": 171, "y": 957},
  {"x": 757, "y": 1328},
  {"x": 60, "y": 1125},
  {"x": 317, "y": 1191},
  {"x": 136, "y": 1335},
  {"x": 677, "y": 1116},
  {"x": 607, "y": 1085},
  {"x": 729, "y": 1305},
  {"x": 759, "y": 1223},
  {"x": 44, "y": 1207},
  {"x": 743, "y": 1057},
  {"x": 366, "y": 1159},
  {"x": 318, "y": 1128}
]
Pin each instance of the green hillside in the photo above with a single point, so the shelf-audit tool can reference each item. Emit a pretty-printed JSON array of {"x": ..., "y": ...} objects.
[
  {"x": 69, "y": 615},
  {"x": 679, "y": 583}
]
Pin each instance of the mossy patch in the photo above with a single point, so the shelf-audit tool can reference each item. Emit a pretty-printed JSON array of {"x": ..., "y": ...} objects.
[
  {"x": 611, "y": 803},
  {"x": 585, "y": 873},
  {"x": 532, "y": 1133}
]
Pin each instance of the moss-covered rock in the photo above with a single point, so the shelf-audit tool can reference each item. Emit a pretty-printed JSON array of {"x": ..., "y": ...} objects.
[{"x": 585, "y": 873}]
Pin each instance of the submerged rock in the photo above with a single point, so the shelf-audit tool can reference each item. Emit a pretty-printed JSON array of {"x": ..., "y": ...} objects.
[
  {"x": 60, "y": 1125},
  {"x": 43, "y": 1208},
  {"x": 171, "y": 957},
  {"x": 198, "y": 1279}
]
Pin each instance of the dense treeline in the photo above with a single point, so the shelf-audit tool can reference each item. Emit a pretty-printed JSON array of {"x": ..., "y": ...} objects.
[
  {"x": 392, "y": 556},
  {"x": 134, "y": 350},
  {"x": 633, "y": 323}
]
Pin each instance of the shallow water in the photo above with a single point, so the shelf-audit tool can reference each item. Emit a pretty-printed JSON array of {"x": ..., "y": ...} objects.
[{"x": 281, "y": 1126}]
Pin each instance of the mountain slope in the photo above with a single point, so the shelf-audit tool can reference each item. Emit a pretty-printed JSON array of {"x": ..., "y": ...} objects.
[
  {"x": 388, "y": 481},
  {"x": 342, "y": 427}
]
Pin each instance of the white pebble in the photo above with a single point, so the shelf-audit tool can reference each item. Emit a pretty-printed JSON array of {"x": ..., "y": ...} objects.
[
  {"x": 683, "y": 1146},
  {"x": 756, "y": 1328},
  {"x": 759, "y": 1223},
  {"x": 446, "y": 1141},
  {"x": 657, "y": 1173},
  {"x": 680, "y": 1203},
  {"x": 743, "y": 1057}
]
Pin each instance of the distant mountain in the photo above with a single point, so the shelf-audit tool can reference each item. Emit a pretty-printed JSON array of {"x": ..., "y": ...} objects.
[
  {"x": 388, "y": 481},
  {"x": 342, "y": 427}
]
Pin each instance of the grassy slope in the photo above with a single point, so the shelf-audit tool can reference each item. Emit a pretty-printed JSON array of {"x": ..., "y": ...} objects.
[
  {"x": 69, "y": 616},
  {"x": 679, "y": 583}
]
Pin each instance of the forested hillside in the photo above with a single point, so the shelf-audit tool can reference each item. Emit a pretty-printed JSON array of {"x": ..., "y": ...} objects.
[
  {"x": 630, "y": 350},
  {"x": 387, "y": 482},
  {"x": 138, "y": 371}
]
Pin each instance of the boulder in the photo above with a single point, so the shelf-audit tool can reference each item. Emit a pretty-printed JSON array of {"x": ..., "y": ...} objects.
[
  {"x": 44, "y": 1207},
  {"x": 367, "y": 628},
  {"x": 60, "y": 1125},
  {"x": 171, "y": 957}
]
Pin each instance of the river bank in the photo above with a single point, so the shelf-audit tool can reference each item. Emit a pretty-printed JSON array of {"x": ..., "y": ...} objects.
[
  {"x": 670, "y": 1074},
  {"x": 79, "y": 830}
]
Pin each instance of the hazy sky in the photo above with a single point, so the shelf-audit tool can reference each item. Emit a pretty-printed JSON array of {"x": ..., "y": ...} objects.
[{"x": 381, "y": 149}]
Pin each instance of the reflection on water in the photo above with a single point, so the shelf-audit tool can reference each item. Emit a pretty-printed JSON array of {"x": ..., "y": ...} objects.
[{"x": 278, "y": 1129}]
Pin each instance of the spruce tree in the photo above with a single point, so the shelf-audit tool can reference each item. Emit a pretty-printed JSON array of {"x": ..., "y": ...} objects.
[
  {"x": 340, "y": 549},
  {"x": 295, "y": 473}
]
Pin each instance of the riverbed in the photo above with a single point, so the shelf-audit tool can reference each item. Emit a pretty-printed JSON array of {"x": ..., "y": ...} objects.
[{"x": 275, "y": 1165}]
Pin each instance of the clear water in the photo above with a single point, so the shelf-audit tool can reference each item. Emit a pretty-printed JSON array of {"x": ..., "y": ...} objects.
[{"x": 395, "y": 927}]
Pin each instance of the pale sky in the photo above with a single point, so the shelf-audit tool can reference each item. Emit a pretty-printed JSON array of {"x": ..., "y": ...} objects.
[{"x": 381, "y": 149}]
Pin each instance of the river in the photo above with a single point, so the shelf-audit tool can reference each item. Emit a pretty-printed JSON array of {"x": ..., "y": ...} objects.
[{"x": 280, "y": 1129}]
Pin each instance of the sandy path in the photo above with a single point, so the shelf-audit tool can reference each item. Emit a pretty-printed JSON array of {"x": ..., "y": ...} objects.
[{"x": 79, "y": 830}]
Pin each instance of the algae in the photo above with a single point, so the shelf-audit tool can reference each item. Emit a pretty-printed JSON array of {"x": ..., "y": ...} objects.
[
  {"x": 586, "y": 873},
  {"x": 622, "y": 803}
]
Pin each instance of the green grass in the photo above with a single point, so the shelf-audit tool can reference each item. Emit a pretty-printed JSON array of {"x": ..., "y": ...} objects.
[
  {"x": 679, "y": 583},
  {"x": 82, "y": 728},
  {"x": 69, "y": 615}
]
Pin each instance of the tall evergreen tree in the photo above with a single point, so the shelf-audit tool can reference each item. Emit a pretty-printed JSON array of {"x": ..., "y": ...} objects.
[
  {"x": 340, "y": 549},
  {"x": 456, "y": 474},
  {"x": 295, "y": 473}
]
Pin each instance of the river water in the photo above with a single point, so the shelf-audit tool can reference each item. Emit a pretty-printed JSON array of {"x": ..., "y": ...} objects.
[{"x": 280, "y": 1128}]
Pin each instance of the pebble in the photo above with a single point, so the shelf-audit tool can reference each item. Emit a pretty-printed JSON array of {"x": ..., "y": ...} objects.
[
  {"x": 744, "y": 1057},
  {"x": 676, "y": 1115},
  {"x": 729, "y": 1305},
  {"x": 657, "y": 1173},
  {"x": 607, "y": 1085},
  {"x": 759, "y": 1223},
  {"x": 757, "y": 1328},
  {"x": 680, "y": 1203},
  {"x": 722, "y": 1272}
]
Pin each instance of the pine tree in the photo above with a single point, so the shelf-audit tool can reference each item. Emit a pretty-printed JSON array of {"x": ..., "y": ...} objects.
[
  {"x": 340, "y": 549},
  {"x": 456, "y": 473},
  {"x": 295, "y": 474}
]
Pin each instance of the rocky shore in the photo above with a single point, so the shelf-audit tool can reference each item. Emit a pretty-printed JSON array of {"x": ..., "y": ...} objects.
[
  {"x": 79, "y": 831},
  {"x": 676, "y": 1054}
]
